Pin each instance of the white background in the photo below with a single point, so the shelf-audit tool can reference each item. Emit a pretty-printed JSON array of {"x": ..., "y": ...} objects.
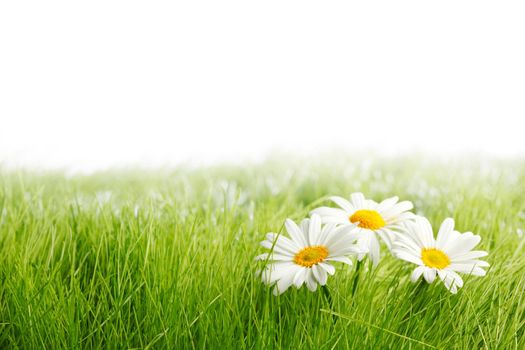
[{"x": 95, "y": 84}]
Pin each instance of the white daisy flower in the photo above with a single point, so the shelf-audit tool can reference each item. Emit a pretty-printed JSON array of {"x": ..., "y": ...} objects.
[
  {"x": 371, "y": 218},
  {"x": 307, "y": 256},
  {"x": 445, "y": 256}
]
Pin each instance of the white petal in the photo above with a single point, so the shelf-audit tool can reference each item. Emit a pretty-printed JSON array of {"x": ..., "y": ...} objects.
[
  {"x": 295, "y": 232},
  {"x": 341, "y": 220},
  {"x": 477, "y": 263},
  {"x": 451, "y": 280},
  {"x": 325, "y": 232},
  {"x": 374, "y": 250},
  {"x": 473, "y": 254},
  {"x": 304, "y": 225},
  {"x": 320, "y": 274},
  {"x": 397, "y": 209},
  {"x": 387, "y": 204},
  {"x": 315, "y": 229},
  {"x": 401, "y": 247},
  {"x": 332, "y": 213},
  {"x": 300, "y": 277},
  {"x": 363, "y": 242},
  {"x": 407, "y": 256},
  {"x": 341, "y": 233},
  {"x": 342, "y": 259},
  {"x": 444, "y": 232},
  {"x": 311, "y": 282},
  {"x": 274, "y": 257},
  {"x": 425, "y": 232},
  {"x": 386, "y": 236},
  {"x": 347, "y": 249},
  {"x": 263, "y": 256},
  {"x": 279, "y": 249},
  {"x": 451, "y": 276},
  {"x": 404, "y": 239},
  {"x": 283, "y": 241},
  {"x": 370, "y": 204},
  {"x": 464, "y": 243},
  {"x": 418, "y": 271},
  {"x": 358, "y": 200},
  {"x": 284, "y": 282},
  {"x": 412, "y": 232},
  {"x": 467, "y": 268},
  {"x": 430, "y": 275},
  {"x": 453, "y": 236},
  {"x": 328, "y": 268},
  {"x": 343, "y": 203},
  {"x": 277, "y": 270},
  {"x": 395, "y": 221}
]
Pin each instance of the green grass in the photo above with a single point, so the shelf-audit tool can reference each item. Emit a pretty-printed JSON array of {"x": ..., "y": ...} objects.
[{"x": 165, "y": 259}]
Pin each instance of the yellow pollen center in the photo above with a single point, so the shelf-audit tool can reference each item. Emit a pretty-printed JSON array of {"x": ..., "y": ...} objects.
[
  {"x": 433, "y": 257},
  {"x": 310, "y": 256},
  {"x": 369, "y": 219}
]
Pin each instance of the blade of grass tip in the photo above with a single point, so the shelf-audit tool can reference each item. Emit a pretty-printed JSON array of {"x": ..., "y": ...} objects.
[
  {"x": 377, "y": 327},
  {"x": 477, "y": 319},
  {"x": 205, "y": 309},
  {"x": 156, "y": 339}
]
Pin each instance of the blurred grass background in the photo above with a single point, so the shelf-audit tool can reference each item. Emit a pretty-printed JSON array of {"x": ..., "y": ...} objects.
[{"x": 147, "y": 259}]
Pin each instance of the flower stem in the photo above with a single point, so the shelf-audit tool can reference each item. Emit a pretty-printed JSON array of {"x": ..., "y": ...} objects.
[
  {"x": 418, "y": 299},
  {"x": 330, "y": 301},
  {"x": 356, "y": 276},
  {"x": 327, "y": 295}
]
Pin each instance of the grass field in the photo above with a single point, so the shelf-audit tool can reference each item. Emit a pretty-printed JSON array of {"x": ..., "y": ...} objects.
[{"x": 165, "y": 259}]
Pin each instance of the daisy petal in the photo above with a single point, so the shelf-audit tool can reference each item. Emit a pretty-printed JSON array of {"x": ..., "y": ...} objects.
[
  {"x": 451, "y": 280},
  {"x": 444, "y": 232},
  {"x": 328, "y": 268},
  {"x": 300, "y": 277},
  {"x": 284, "y": 283},
  {"x": 304, "y": 225},
  {"x": 295, "y": 232},
  {"x": 387, "y": 204},
  {"x": 397, "y": 209},
  {"x": 311, "y": 283},
  {"x": 358, "y": 200},
  {"x": 374, "y": 250},
  {"x": 343, "y": 203},
  {"x": 473, "y": 254},
  {"x": 418, "y": 271},
  {"x": 426, "y": 235},
  {"x": 276, "y": 248},
  {"x": 276, "y": 271},
  {"x": 470, "y": 269},
  {"x": 334, "y": 213},
  {"x": 320, "y": 274},
  {"x": 404, "y": 255},
  {"x": 314, "y": 229},
  {"x": 463, "y": 244},
  {"x": 430, "y": 275},
  {"x": 342, "y": 259}
]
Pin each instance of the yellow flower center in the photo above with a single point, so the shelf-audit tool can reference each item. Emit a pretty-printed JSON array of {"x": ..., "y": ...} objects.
[
  {"x": 310, "y": 256},
  {"x": 369, "y": 219},
  {"x": 433, "y": 257}
]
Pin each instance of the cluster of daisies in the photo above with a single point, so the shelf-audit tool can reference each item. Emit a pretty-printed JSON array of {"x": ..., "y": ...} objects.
[{"x": 355, "y": 229}]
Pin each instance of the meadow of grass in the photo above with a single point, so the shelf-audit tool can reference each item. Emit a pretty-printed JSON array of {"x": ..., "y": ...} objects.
[{"x": 165, "y": 259}]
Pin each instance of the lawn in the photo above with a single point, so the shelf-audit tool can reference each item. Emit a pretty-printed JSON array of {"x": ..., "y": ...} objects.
[{"x": 153, "y": 259}]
